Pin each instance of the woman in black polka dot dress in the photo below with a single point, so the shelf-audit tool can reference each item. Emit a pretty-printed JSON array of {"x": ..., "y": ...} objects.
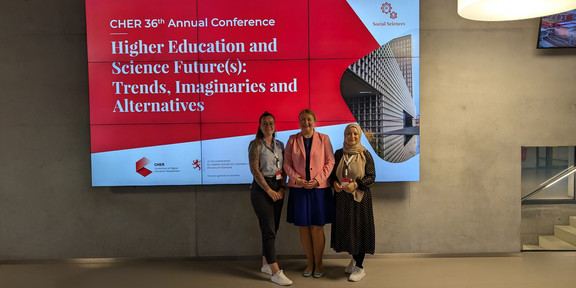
[{"x": 353, "y": 226}]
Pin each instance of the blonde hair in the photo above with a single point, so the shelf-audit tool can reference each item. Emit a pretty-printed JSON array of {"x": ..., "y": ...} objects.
[{"x": 309, "y": 112}]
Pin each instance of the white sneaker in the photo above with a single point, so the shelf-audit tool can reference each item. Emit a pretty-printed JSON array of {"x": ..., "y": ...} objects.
[
  {"x": 281, "y": 279},
  {"x": 357, "y": 275},
  {"x": 350, "y": 267},
  {"x": 266, "y": 269}
]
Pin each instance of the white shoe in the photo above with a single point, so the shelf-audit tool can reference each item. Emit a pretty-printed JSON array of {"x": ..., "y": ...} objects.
[
  {"x": 266, "y": 269},
  {"x": 281, "y": 279},
  {"x": 357, "y": 275},
  {"x": 350, "y": 267}
]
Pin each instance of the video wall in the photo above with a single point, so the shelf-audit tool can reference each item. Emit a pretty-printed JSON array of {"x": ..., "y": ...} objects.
[{"x": 176, "y": 86}]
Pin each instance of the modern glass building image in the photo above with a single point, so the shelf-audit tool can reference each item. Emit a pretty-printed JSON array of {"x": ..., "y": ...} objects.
[{"x": 378, "y": 89}]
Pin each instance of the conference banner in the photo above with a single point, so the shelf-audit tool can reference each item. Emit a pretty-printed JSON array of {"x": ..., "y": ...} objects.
[{"x": 177, "y": 86}]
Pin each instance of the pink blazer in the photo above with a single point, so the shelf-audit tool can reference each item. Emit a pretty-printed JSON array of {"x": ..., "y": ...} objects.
[{"x": 321, "y": 159}]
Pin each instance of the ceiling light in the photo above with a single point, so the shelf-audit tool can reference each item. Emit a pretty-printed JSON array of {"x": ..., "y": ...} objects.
[{"x": 504, "y": 10}]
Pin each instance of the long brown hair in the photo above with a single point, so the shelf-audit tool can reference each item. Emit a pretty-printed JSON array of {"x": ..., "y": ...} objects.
[{"x": 259, "y": 134}]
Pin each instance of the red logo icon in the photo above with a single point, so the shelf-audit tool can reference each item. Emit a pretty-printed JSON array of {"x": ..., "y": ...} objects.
[
  {"x": 141, "y": 167},
  {"x": 196, "y": 164},
  {"x": 387, "y": 9}
]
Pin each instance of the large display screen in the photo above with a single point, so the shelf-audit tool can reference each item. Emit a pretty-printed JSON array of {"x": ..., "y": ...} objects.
[
  {"x": 558, "y": 31},
  {"x": 177, "y": 86}
]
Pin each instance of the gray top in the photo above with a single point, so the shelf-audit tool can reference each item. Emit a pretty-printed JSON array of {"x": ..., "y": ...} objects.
[{"x": 270, "y": 159}]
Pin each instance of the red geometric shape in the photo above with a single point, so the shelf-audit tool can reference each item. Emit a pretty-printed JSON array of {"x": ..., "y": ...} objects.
[{"x": 141, "y": 167}]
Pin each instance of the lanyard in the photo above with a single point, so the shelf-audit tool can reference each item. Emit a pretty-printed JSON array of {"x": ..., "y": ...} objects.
[
  {"x": 273, "y": 150},
  {"x": 277, "y": 161},
  {"x": 346, "y": 162}
]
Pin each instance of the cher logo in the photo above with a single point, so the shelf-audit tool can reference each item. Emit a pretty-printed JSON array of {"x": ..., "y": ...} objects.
[
  {"x": 387, "y": 9},
  {"x": 141, "y": 167}
]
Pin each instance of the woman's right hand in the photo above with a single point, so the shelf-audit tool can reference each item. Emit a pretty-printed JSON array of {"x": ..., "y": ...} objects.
[{"x": 337, "y": 186}]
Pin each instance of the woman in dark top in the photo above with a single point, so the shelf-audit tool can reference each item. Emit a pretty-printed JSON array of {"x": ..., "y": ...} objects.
[
  {"x": 353, "y": 226},
  {"x": 265, "y": 155}
]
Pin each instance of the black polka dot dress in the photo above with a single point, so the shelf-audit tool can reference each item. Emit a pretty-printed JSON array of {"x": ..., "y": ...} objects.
[{"x": 353, "y": 226}]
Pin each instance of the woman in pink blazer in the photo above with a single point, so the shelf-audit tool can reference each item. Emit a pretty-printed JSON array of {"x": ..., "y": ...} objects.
[{"x": 308, "y": 162}]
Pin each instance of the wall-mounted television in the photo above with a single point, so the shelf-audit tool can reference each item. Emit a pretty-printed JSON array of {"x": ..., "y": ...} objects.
[
  {"x": 177, "y": 86},
  {"x": 558, "y": 31}
]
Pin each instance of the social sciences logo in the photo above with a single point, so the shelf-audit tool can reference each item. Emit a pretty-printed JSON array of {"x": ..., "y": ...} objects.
[
  {"x": 141, "y": 167},
  {"x": 387, "y": 9},
  {"x": 389, "y": 14}
]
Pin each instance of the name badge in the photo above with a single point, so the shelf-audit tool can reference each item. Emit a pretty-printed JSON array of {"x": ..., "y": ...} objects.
[
  {"x": 346, "y": 181},
  {"x": 279, "y": 175}
]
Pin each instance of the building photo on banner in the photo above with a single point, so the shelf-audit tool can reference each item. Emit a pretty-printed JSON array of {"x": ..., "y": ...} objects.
[{"x": 177, "y": 86}]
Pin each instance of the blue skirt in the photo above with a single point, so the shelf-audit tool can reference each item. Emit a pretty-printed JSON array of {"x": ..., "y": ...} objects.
[{"x": 307, "y": 207}]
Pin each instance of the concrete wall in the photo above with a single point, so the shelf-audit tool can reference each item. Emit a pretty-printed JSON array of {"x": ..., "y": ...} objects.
[{"x": 485, "y": 91}]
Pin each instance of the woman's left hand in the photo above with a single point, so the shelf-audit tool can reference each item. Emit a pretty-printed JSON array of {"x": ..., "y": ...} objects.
[{"x": 275, "y": 195}]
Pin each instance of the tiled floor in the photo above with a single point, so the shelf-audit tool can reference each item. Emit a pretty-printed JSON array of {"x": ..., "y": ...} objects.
[{"x": 526, "y": 270}]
